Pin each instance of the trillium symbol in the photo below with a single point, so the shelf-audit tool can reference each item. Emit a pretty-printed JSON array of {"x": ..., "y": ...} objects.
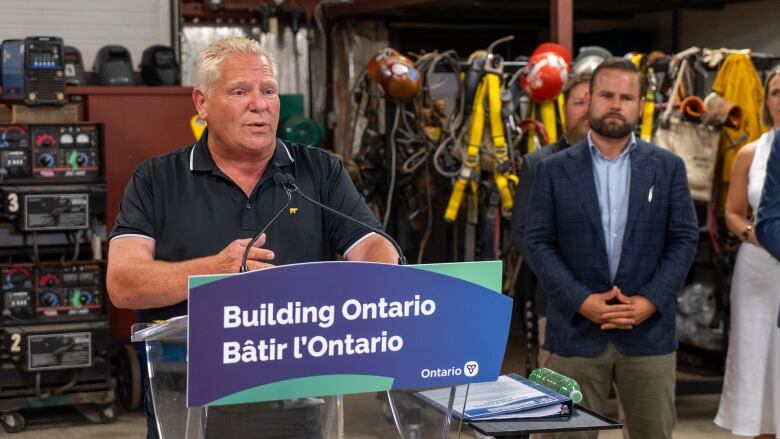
[{"x": 471, "y": 368}]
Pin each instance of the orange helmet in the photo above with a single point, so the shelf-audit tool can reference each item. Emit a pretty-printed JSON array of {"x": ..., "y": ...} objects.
[
  {"x": 381, "y": 56},
  {"x": 395, "y": 74},
  {"x": 545, "y": 75}
]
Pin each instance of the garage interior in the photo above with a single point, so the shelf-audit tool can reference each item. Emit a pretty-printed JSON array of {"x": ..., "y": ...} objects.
[{"x": 403, "y": 155}]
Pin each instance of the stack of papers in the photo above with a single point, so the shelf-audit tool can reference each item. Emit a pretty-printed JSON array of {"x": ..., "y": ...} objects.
[{"x": 510, "y": 397}]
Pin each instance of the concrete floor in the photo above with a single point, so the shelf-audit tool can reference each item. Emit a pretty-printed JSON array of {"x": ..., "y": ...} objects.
[
  {"x": 68, "y": 423},
  {"x": 694, "y": 419},
  {"x": 695, "y": 414}
]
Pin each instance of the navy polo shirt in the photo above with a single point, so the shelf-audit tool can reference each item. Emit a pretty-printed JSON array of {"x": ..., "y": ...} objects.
[{"x": 191, "y": 209}]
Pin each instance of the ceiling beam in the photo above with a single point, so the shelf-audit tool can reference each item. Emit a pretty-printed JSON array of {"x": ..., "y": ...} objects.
[
  {"x": 474, "y": 24},
  {"x": 545, "y": 12},
  {"x": 562, "y": 23},
  {"x": 364, "y": 7}
]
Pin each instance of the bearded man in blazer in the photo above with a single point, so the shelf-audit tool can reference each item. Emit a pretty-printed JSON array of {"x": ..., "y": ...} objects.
[{"x": 612, "y": 232}]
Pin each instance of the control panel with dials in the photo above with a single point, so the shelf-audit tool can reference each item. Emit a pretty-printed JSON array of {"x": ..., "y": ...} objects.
[{"x": 51, "y": 153}]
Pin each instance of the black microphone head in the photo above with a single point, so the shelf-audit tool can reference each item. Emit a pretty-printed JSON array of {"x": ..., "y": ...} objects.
[
  {"x": 289, "y": 182},
  {"x": 280, "y": 179}
]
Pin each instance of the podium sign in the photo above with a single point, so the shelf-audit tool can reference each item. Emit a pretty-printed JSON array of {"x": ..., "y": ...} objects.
[{"x": 329, "y": 328}]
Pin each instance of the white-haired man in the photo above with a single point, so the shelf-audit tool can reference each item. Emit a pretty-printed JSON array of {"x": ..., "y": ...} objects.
[{"x": 194, "y": 210}]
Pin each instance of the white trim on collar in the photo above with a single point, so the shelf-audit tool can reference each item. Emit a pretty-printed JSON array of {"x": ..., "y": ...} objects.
[
  {"x": 192, "y": 154},
  {"x": 287, "y": 151}
]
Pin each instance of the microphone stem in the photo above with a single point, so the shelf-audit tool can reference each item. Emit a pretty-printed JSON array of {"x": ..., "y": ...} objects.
[
  {"x": 401, "y": 257},
  {"x": 254, "y": 239}
]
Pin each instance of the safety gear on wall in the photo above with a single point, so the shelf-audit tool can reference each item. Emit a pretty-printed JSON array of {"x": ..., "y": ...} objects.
[
  {"x": 395, "y": 74},
  {"x": 589, "y": 58},
  {"x": 553, "y": 48},
  {"x": 545, "y": 75}
]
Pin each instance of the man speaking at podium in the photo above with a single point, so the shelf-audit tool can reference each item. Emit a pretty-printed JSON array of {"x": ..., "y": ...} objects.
[{"x": 193, "y": 212}]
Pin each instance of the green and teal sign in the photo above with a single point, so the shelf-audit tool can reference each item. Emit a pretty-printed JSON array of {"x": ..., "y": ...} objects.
[{"x": 318, "y": 329}]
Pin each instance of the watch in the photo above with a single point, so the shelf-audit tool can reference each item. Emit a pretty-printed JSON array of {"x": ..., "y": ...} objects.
[{"x": 746, "y": 232}]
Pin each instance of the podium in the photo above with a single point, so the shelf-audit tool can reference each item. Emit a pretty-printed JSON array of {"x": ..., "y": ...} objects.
[
  {"x": 202, "y": 386},
  {"x": 375, "y": 414}
]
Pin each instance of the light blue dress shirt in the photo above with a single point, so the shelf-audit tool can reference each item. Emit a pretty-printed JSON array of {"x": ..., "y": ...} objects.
[{"x": 613, "y": 179}]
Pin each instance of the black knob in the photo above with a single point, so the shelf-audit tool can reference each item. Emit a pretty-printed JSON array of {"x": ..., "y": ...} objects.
[
  {"x": 50, "y": 299},
  {"x": 82, "y": 159},
  {"x": 47, "y": 160},
  {"x": 18, "y": 278},
  {"x": 85, "y": 298}
]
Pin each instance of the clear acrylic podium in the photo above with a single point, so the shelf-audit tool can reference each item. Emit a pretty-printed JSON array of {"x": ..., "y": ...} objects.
[{"x": 390, "y": 414}]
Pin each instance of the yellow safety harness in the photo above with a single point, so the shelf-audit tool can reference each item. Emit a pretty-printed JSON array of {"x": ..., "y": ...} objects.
[
  {"x": 505, "y": 180},
  {"x": 648, "y": 113},
  {"x": 549, "y": 120}
]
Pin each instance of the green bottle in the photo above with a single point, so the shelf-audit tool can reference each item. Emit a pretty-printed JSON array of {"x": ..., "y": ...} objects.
[{"x": 557, "y": 382}]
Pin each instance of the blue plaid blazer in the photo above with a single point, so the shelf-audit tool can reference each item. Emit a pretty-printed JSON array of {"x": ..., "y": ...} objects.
[
  {"x": 768, "y": 226},
  {"x": 565, "y": 240}
]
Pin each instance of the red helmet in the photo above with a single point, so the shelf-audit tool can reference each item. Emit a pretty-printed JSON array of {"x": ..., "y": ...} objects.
[
  {"x": 545, "y": 75},
  {"x": 554, "y": 48}
]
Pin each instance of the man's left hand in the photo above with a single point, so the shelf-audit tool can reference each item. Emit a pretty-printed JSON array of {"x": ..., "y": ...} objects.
[{"x": 643, "y": 309}]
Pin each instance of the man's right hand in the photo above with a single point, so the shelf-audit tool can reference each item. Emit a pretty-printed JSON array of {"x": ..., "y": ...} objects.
[
  {"x": 165, "y": 283},
  {"x": 597, "y": 305},
  {"x": 229, "y": 259}
]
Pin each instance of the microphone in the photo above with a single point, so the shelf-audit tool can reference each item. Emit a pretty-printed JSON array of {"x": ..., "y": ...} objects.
[
  {"x": 280, "y": 180},
  {"x": 289, "y": 185}
]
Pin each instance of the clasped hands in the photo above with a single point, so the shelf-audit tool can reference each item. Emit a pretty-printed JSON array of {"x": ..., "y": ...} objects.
[{"x": 614, "y": 310}]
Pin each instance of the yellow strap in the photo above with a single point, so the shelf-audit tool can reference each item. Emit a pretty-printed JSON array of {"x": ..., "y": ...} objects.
[
  {"x": 477, "y": 121},
  {"x": 548, "y": 120},
  {"x": 646, "y": 133},
  {"x": 530, "y": 134},
  {"x": 637, "y": 59},
  {"x": 496, "y": 122},
  {"x": 502, "y": 178},
  {"x": 502, "y": 184},
  {"x": 456, "y": 199},
  {"x": 561, "y": 100},
  {"x": 646, "y": 129}
]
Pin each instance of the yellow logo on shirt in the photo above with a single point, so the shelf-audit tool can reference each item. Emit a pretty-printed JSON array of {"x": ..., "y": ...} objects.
[{"x": 293, "y": 210}]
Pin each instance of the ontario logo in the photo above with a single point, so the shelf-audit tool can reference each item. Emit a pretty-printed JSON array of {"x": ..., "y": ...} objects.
[{"x": 470, "y": 369}]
